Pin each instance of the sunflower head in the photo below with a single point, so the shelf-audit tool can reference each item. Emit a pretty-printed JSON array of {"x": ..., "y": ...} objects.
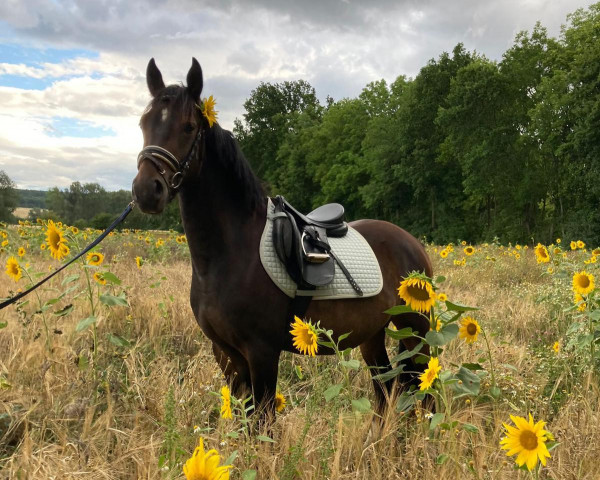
[
  {"x": 205, "y": 465},
  {"x": 226, "y": 403},
  {"x": 208, "y": 110},
  {"x": 556, "y": 347},
  {"x": 279, "y": 402},
  {"x": 583, "y": 283},
  {"x": 580, "y": 244},
  {"x": 95, "y": 258},
  {"x": 56, "y": 241},
  {"x": 469, "y": 329},
  {"x": 526, "y": 440},
  {"x": 99, "y": 278},
  {"x": 573, "y": 245},
  {"x": 417, "y": 292},
  {"x": 444, "y": 253},
  {"x": 541, "y": 253},
  {"x": 430, "y": 374},
  {"x": 13, "y": 269},
  {"x": 139, "y": 262},
  {"x": 469, "y": 250},
  {"x": 305, "y": 337}
]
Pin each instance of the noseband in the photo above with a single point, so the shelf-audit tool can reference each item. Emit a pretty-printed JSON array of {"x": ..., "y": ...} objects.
[{"x": 159, "y": 157}]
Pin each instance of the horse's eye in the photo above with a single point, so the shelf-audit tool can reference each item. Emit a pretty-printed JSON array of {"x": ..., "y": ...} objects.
[{"x": 189, "y": 128}]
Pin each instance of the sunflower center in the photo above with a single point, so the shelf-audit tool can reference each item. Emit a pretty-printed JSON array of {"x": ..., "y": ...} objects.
[
  {"x": 14, "y": 269},
  {"x": 53, "y": 239},
  {"x": 542, "y": 253},
  {"x": 528, "y": 440},
  {"x": 583, "y": 281},
  {"x": 472, "y": 329},
  {"x": 418, "y": 293},
  {"x": 308, "y": 337}
]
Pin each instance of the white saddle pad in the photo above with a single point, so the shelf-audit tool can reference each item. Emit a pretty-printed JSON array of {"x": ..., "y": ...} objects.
[{"x": 352, "y": 249}]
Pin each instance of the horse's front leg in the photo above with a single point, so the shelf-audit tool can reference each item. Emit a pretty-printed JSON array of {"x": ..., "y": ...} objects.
[
  {"x": 235, "y": 368},
  {"x": 263, "y": 361}
]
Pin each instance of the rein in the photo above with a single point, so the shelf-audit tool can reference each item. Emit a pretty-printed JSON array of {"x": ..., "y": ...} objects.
[{"x": 112, "y": 226}]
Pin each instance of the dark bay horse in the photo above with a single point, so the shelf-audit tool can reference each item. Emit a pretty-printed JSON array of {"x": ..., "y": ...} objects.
[{"x": 223, "y": 208}]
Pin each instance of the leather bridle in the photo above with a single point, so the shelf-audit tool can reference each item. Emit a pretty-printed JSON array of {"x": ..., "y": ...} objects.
[{"x": 161, "y": 157}]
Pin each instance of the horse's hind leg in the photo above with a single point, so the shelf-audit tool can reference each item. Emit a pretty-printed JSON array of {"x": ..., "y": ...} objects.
[
  {"x": 376, "y": 357},
  {"x": 420, "y": 324},
  {"x": 235, "y": 368}
]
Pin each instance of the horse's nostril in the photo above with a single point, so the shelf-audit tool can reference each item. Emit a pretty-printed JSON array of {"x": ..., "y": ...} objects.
[{"x": 158, "y": 187}]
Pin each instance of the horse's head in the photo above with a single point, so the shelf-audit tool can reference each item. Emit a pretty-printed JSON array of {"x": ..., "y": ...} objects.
[{"x": 172, "y": 126}]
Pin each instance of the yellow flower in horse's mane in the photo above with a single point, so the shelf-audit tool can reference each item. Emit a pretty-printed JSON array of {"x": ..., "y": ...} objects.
[
  {"x": 430, "y": 374},
  {"x": 226, "y": 403},
  {"x": 13, "y": 269},
  {"x": 305, "y": 337},
  {"x": 208, "y": 110},
  {"x": 56, "y": 241},
  {"x": 469, "y": 328},
  {"x": 583, "y": 283},
  {"x": 279, "y": 402},
  {"x": 417, "y": 293},
  {"x": 527, "y": 440},
  {"x": 205, "y": 465},
  {"x": 95, "y": 258}
]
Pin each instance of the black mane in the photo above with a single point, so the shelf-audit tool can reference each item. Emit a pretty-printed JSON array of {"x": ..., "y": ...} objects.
[{"x": 220, "y": 148}]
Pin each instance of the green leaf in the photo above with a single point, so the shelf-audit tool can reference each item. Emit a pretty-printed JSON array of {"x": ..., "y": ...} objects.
[
  {"x": 264, "y": 438},
  {"x": 83, "y": 362},
  {"x": 436, "y": 420},
  {"x": 332, "y": 392},
  {"x": 298, "y": 371},
  {"x": 118, "y": 340},
  {"x": 64, "y": 311},
  {"x": 52, "y": 301},
  {"x": 398, "y": 309},
  {"x": 469, "y": 382},
  {"x": 445, "y": 335},
  {"x": 249, "y": 475},
  {"x": 400, "y": 334},
  {"x": 390, "y": 374},
  {"x": 473, "y": 366},
  {"x": 441, "y": 458},
  {"x": 362, "y": 405},
  {"x": 3, "y": 325},
  {"x": 112, "y": 278},
  {"x": 233, "y": 435},
  {"x": 405, "y": 402},
  {"x": 353, "y": 364},
  {"x": 406, "y": 354},
  {"x": 231, "y": 458},
  {"x": 70, "y": 278},
  {"x": 111, "y": 300},
  {"x": 440, "y": 279},
  {"x": 85, "y": 323},
  {"x": 470, "y": 428},
  {"x": 457, "y": 307},
  {"x": 495, "y": 392},
  {"x": 344, "y": 336}
]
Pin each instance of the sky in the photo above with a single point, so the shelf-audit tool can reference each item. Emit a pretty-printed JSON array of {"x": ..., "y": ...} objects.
[{"x": 72, "y": 73}]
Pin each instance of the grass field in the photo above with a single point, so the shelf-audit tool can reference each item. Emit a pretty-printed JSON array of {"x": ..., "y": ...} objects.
[{"x": 117, "y": 381}]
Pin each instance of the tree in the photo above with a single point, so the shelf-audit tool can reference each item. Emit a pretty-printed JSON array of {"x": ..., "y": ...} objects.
[{"x": 8, "y": 197}]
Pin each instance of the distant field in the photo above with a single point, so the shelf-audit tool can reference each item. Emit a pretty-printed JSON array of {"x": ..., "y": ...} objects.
[{"x": 21, "y": 212}]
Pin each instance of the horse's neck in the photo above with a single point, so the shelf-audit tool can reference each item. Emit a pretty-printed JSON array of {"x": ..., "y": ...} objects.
[{"x": 217, "y": 228}]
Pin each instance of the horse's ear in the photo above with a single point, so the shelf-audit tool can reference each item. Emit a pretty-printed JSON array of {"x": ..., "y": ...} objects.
[
  {"x": 194, "y": 80},
  {"x": 154, "y": 78}
]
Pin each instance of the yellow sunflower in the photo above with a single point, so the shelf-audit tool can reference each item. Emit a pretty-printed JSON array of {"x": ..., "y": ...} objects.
[
  {"x": 558, "y": 240},
  {"x": 56, "y": 241},
  {"x": 583, "y": 283},
  {"x": 469, "y": 329},
  {"x": 205, "y": 465},
  {"x": 442, "y": 297},
  {"x": 596, "y": 252},
  {"x": 226, "y": 403},
  {"x": 305, "y": 337},
  {"x": 430, "y": 373},
  {"x": 580, "y": 244},
  {"x": 13, "y": 269},
  {"x": 208, "y": 110},
  {"x": 417, "y": 293},
  {"x": 279, "y": 402},
  {"x": 444, "y": 253},
  {"x": 75, "y": 230},
  {"x": 541, "y": 254},
  {"x": 99, "y": 278},
  {"x": 527, "y": 440},
  {"x": 139, "y": 262},
  {"x": 573, "y": 245},
  {"x": 556, "y": 347},
  {"x": 21, "y": 251},
  {"x": 469, "y": 250},
  {"x": 580, "y": 302},
  {"x": 95, "y": 258}
]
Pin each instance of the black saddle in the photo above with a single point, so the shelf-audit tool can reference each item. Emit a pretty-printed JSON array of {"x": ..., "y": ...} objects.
[{"x": 301, "y": 243}]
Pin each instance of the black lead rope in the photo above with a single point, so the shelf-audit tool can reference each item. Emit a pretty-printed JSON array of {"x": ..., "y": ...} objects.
[{"x": 112, "y": 226}]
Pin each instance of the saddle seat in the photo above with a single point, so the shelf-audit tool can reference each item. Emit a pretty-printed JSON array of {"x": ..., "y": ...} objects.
[{"x": 301, "y": 242}]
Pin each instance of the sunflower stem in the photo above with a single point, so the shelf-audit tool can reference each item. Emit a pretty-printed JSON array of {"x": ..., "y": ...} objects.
[{"x": 41, "y": 310}]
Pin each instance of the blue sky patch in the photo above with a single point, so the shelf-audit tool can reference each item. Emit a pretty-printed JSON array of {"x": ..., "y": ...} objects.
[{"x": 70, "y": 127}]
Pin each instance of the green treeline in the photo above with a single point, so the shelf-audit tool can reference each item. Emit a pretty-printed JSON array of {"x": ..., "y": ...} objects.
[{"x": 468, "y": 149}]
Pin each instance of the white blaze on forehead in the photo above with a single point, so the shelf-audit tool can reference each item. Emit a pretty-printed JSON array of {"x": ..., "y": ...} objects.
[{"x": 164, "y": 114}]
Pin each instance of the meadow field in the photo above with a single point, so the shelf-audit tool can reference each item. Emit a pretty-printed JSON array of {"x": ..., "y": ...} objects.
[{"x": 104, "y": 373}]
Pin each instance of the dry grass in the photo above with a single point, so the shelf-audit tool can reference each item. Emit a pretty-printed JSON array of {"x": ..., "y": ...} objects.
[{"x": 112, "y": 420}]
